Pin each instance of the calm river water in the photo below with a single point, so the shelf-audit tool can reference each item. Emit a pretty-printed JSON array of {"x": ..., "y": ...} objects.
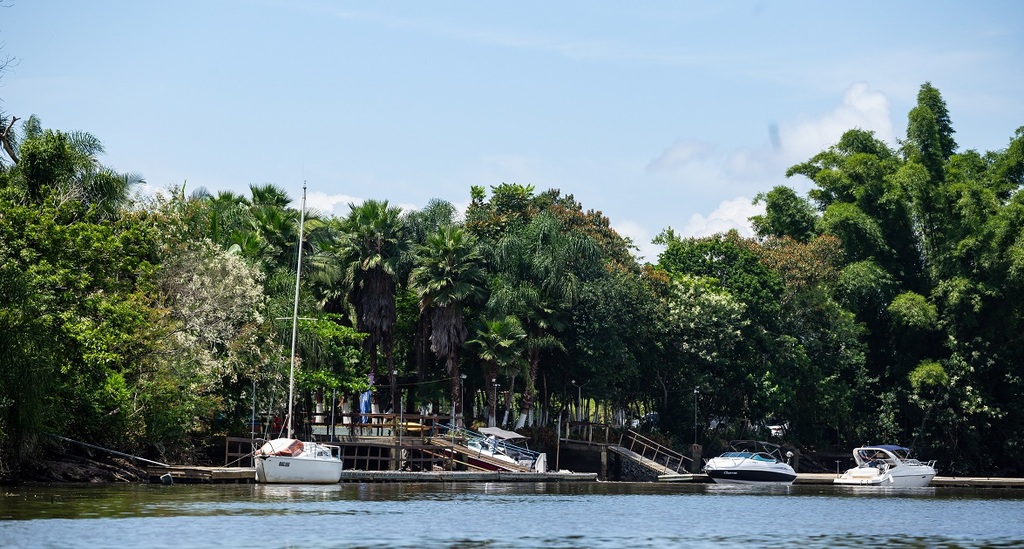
[{"x": 497, "y": 515}]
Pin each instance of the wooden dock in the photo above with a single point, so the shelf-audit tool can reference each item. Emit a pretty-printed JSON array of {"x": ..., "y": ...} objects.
[
  {"x": 195, "y": 474},
  {"x": 465, "y": 476},
  {"x": 187, "y": 474},
  {"x": 957, "y": 482}
]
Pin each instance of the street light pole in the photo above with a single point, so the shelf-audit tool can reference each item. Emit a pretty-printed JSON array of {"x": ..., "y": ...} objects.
[
  {"x": 696, "y": 391},
  {"x": 462, "y": 402},
  {"x": 494, "y": 403},
  {"x": 579, "y": 399}
]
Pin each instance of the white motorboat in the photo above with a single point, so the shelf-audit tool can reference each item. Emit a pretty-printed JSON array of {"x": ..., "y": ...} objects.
[
  {"x": 887, "y": 465},
  {"x": 289, "y": 460},
  {"x": 750, "y": 462},
  {"x": 492, "y": 446}
]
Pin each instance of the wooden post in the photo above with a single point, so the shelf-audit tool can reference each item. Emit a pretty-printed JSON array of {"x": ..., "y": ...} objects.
[{"x": 695, "y": 451}]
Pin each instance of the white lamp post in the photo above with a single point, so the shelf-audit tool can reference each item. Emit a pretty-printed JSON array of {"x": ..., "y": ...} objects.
[{"x": 696, "y": 391}]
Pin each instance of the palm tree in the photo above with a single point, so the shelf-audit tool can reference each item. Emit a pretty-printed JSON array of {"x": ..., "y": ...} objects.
[
  {"x": 540, "y": 270},
  {"x": 67, "y": 164},
  {"x": 499, "y": 345},
  {"x": 374, "y": 250},
  {"x": 448, "y": 275},
  {"x": 423, "y": 223},
  {"x": 226, "y": 215}
]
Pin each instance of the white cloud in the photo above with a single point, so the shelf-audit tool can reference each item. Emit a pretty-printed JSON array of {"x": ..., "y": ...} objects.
[
  {"x": 681, "y": 153},
  {"x": 407, "y": 207},
  {"x": 704, "y": 171},
  {"x": 338, "y": 204},
  {"x": 327, "y": 204},
  {"x": 730, "y": 214},
  {"x": 861, "y": 108},
  {"x": 641, "y": 237}
]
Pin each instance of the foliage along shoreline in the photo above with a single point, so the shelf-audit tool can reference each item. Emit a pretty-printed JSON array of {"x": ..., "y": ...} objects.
[{"x": 883, "y": 307}]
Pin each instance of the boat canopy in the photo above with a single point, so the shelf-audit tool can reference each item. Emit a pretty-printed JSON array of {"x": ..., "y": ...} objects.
[
  {"x": 891, "y": 448},
  {"x": 498, "y": 432},
  {"x": 753, "y": 445}
]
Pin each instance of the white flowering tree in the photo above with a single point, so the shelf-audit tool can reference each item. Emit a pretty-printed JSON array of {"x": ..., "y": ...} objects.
[
  {"x": 705, "y": 326},
  {"x": 212, "y": 301}
]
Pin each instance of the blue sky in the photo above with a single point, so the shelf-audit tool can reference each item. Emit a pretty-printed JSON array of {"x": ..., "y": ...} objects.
[{"x": 658, "y": 113}]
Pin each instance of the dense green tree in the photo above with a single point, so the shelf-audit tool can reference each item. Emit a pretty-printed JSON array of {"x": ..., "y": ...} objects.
[
  {"x": 422, "y": 223},
  {"x": 538, "y": 273},
  {"x": 616, "y": 341},
  {"x": 742, "y": 382},
  {"x": 786, "y": 214},
  {"x": 375, "y": 249},
  {"x": 448, "y": 277},
  {"x": 499, "y": 343}
]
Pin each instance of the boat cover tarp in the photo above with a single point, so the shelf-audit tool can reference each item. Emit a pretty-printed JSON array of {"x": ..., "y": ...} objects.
[
  {"x": 281, "y": 447},
  {"x": 365, "y": 400},
  {"x": 501, "y": 433}
]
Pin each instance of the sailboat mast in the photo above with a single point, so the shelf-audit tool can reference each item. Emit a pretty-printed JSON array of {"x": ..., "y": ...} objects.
[{"x": 295, "y": 309}]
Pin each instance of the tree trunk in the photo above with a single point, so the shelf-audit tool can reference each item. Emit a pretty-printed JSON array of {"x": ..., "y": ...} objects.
[
  {"x": 453, "y": 369},
  {"x": 392, "y": 374},
  {"x": 6, "y": 140},
  {"x": 529, "y": 392}
]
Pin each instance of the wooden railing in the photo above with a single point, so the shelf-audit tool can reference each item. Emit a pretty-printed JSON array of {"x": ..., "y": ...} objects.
[
  {"x": 586, "y": 431},
  {"x": 238, "y": 451}
]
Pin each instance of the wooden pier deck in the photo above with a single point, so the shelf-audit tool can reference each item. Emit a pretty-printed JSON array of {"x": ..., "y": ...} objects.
[
  {"x": 465, "y": 476},
  {"x": 201, "y": 475},
  {"x": 958, "y": 482},
  {"x": 243, "y": 475},
  {"x": 937, "y": 482},
  {"x": 188, "y": 474}
]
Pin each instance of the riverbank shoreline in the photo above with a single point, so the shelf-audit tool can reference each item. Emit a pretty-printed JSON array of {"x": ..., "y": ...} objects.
[
  {"x": 72, "y": 469},
  {"x": 76, "y": 469}
]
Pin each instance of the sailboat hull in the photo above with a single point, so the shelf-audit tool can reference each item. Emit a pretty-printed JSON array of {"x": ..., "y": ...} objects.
[{"x": 297, "y": 470}]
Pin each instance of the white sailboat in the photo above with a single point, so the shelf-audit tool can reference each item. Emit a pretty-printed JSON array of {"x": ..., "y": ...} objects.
[{"x": 289, "y": 460}]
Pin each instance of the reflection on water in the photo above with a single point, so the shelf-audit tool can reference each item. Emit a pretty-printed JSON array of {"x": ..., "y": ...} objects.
[{"x": 589, "y": 514}]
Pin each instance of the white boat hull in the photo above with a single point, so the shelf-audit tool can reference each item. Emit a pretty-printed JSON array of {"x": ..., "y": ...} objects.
[
  {"x": 748, "y": 472},
  {"x": 912, "y": 477},
  {"x": 750, "y": 477},
  {"x": 887, "y": 466},
  {"x": 759, "y": 467},
  {"x": 297, "y": 470}
]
